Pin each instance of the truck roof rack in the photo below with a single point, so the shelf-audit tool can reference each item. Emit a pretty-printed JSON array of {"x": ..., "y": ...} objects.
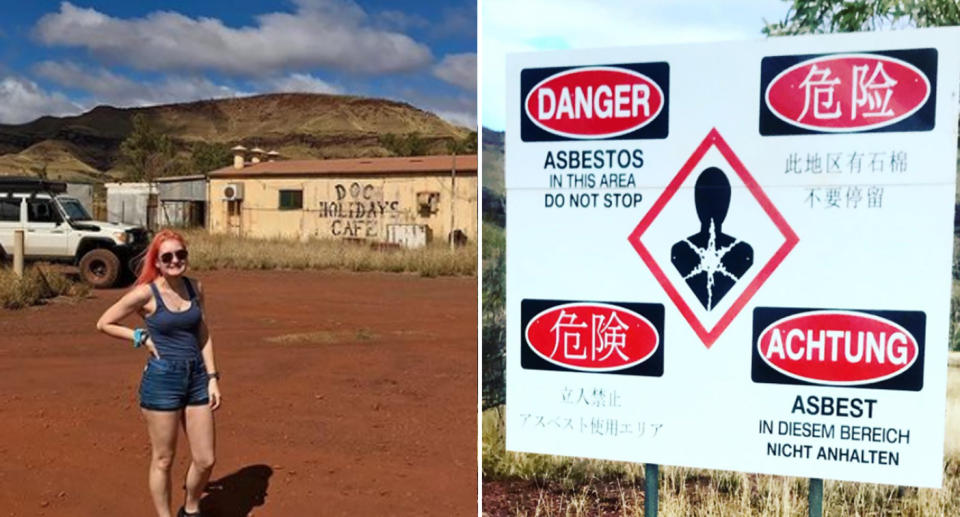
[{"x": 27, "y": 184}]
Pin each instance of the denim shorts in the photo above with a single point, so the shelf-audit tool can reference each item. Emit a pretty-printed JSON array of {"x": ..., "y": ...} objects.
[{"x": 172, "y": 384}]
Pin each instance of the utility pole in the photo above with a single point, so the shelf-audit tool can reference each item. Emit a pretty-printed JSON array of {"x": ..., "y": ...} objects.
[{"x": 453, "y": 196}]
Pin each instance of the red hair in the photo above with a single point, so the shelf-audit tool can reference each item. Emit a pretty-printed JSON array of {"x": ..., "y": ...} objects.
[{"x": 148, "y": 268}]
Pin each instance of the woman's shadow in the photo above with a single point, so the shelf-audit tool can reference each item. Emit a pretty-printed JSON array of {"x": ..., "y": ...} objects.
[{"x": 235, "y": 495}]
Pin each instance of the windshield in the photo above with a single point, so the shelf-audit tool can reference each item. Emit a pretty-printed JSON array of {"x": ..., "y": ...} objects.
[{"x": 74, "y": 210}]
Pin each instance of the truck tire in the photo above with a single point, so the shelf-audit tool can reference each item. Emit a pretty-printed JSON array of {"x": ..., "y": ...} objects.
[{"x": 100, "y": 268}]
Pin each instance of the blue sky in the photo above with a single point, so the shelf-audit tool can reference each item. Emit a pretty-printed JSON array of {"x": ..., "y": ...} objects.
[
  {"x": 60, "y": 58},
  {"x": 568, "y": 24}
]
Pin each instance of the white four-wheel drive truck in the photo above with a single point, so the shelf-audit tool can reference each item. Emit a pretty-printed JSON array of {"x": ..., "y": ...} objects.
[{"x": 57, "y": 228}]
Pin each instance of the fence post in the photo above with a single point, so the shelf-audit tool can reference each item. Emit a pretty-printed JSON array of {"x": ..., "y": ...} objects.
[
  {"x": 651, "y": 488},
  {"x": 815, "y": 498},
  {"x": 18, "y": 252}
]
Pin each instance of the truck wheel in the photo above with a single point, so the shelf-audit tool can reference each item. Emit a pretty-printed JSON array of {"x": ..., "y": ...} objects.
[{"x": 100, "y": 268}]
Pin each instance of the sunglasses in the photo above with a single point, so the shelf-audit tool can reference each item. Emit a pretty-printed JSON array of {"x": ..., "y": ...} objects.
[{"x": 167, "y": 257}]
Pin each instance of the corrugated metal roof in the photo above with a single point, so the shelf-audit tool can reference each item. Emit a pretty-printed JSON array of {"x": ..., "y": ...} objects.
[
  {"x": 393, "y": 165},
  {"x": 191, "y": 177}
]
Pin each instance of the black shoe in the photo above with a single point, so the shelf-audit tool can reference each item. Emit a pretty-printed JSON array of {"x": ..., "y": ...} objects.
[{"x": 184, "y": 513}]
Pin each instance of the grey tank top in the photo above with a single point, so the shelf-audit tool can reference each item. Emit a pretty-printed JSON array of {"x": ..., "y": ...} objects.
[{"x": 175, "y": 334}]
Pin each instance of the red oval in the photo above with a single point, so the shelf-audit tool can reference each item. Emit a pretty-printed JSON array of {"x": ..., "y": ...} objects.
[
  {"x": 592, "y": 336},
  {"x": 594, "y": 102},
  {"x": 858, "y": 348},
  {"x": 847, "y": 92}
]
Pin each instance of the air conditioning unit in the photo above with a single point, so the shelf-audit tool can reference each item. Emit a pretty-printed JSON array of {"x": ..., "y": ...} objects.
[{"x": 233, "y": 192}]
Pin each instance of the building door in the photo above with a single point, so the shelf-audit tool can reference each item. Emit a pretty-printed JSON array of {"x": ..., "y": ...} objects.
[{"x": 234, "y": 209}]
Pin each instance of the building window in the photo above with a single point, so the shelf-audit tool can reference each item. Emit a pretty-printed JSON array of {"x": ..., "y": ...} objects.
[
  {"x": 291, "y": 200},
  {"x": 428, "y": 203},
  {"x": 233, "y": 207}
]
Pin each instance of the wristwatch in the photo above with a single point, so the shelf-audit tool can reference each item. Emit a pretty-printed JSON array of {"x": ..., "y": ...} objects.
[{"x": 213, "y": 375}]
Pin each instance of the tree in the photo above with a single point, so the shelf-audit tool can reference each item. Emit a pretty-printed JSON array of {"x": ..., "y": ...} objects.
[
  {"x": 410, "y": 144},
  {"x": 207, "y": 156},
  {"x": 465, "y": 145},
  {"x": 820, "y": 16},
  {"x": 148, "y": 152}
]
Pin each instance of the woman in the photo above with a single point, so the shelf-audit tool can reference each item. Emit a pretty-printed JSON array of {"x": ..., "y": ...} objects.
[{"x": 180, "y": 381}]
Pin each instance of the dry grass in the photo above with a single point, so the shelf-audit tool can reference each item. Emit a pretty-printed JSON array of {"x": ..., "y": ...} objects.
[
  {"x": 229, "y": 252},
  {"x": 953, "y": 359},
  {"x": 951, "y": 441},
  {"x": 37, "y": 284},
  {"x": 582, "y": 487}
]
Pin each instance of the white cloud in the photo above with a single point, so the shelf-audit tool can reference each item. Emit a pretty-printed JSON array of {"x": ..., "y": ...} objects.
[
  {"x": 22, "y": 100},
  {"x": 322, "y": 33},
  {"x": 467, "y": 119},
  {"x": 458, "y": 69},
  {"x": 458, "y": 21},
  {"x": 460, "y": 109},
  {"x": 106, "y": 87},
  {"x": 400, "y": 20},
  {"x": 305, "y": 83},
  {"x": 574, "y": 24}
]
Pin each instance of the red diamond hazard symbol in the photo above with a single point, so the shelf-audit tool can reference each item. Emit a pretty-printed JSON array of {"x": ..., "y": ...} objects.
[{"x": 710, "y": 275}]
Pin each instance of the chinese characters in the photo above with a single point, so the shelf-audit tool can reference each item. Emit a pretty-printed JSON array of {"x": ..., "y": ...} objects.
[
  {"x": 855, "y": 162},
  {"x": 870, "y": 92},
  {"x": 850, "y": 197}
]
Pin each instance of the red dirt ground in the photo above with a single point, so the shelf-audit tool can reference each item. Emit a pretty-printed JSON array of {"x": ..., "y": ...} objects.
[
  {"x": 344, "y": 394},
  {"x": 510, "y": 497}
]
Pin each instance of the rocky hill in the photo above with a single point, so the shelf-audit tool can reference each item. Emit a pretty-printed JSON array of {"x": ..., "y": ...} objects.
[{"x": 297, "y": 125}]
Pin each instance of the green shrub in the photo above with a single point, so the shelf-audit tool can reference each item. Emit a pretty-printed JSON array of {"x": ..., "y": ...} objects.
[{"x": 494, "y": 240}]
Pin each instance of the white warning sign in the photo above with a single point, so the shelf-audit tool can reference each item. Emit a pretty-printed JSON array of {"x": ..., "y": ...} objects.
[{"x": 736, "y": 255}]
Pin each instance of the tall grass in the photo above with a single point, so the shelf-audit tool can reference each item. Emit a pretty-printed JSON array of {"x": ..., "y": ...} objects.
[
  {"x": 951, "y": 442},
  {"x": 579, "y": 486},
  {"x": 230, "y": 252},
  {"x": 37, "y": 284}
]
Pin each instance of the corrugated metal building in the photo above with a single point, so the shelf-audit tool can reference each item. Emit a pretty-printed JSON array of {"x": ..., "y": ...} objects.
[
  {"x": 83, "y": 192},
  {"x": 409, "y": 200},
  {"x": 132, "y": 203},
  {"x": 182, "y": 201}
]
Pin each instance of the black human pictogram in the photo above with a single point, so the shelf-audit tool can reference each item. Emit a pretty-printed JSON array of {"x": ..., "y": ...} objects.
[{"x": 711, "y": 261}]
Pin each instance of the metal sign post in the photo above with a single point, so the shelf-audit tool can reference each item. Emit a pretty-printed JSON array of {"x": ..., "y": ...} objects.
[
  {"x": 815, "y": 497},
  {"x": 651, "y": 483}
]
